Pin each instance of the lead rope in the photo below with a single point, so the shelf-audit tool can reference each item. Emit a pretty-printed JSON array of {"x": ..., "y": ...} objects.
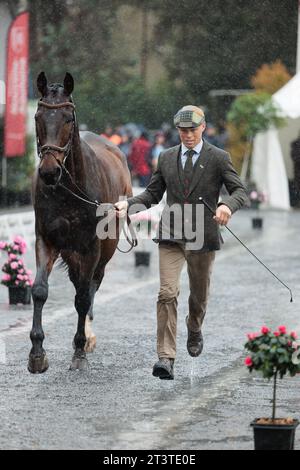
[{"x": 133, "y": 242}]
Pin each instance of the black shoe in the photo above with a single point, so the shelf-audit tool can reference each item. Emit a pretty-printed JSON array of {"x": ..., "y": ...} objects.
[
  {"x": 164, "y": 369},
  {"x": 194, "y": 342}
]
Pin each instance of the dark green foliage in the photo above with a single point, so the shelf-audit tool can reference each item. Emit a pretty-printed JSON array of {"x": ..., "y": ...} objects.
[
  {"x": 203, "y": 45},
  {"x": 253, "y": 113},
  {"x": 272, "y": 354}
]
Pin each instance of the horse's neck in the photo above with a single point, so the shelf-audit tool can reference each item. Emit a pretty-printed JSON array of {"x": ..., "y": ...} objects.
[{"x": 75, "y": 164}]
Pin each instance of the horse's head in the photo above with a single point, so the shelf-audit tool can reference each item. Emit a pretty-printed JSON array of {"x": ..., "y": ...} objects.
[{"x": 55, "y": 125}]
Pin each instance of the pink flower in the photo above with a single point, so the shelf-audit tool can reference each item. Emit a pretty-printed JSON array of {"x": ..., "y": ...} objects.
[
  {"x": 21, "y": 262},
  {"x": 289, "y": 343},
  {"x": 6, "y": 277},
  {"x": 294, "y": 335},
  {"x": 25, "y": 278},
  {"x": 20, "y": 277},
  {"x": 19, "y": 240},
  {"x": 265, "y": 330},
  {"x": 2, "y": 245},
  {"x": 27, "y": 284},
  {"x": 295, "y": 345},
  {"x": 17, "y": 283},
  {"x": 12, "y": 257},
  {"x": 252, "y": 336},
  {"x": 20, "y": 244},
  {"x": 282, "y": 330},
  {"x": 276, "y": 333},
  {"x": 29, "y": 272},
  {"x": 14, "y": 265},
  {"x": 248, "y": 362},
  {"x": 30, "y": 282},
  {"x": 253, "y": 195}
]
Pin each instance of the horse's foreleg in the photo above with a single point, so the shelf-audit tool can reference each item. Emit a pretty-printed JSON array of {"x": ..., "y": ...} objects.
[
  {"x": 45, "y": 258},
  {"x": 83, "y": 302}
]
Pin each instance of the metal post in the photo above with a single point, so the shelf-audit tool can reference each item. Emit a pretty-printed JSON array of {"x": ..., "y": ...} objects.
[{"x": 4, "y": 180}]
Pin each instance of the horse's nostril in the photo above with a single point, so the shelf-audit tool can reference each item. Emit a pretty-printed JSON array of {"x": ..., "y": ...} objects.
[{"x": 50, "y": 177}]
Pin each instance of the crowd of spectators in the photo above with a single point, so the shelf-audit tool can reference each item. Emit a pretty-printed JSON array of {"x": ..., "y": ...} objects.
[{"x": 142, "y": 147}]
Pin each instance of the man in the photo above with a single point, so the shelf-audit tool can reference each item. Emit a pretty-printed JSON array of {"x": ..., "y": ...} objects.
[
  {"x": 189, "y": 171},
  {"x": 295, "y": 155},
  {"x": 137, "y": 159}
]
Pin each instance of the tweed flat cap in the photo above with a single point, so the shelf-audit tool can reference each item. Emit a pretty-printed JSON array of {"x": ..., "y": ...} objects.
[{"x": 189, "y": 116}]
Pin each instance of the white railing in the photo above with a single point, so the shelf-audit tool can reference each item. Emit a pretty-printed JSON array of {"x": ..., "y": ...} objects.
[{"x": 19, "y": 223}]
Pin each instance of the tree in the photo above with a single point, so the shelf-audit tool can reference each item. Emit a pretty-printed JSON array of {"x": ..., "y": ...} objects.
[
  {"x": 250, "y": 114},
  {"x": 221, "y": 44},
  {"x": 270, "y": 78}
]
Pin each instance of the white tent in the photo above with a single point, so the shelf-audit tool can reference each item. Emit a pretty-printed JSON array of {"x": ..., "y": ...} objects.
[{"x": 272, "y": 165}]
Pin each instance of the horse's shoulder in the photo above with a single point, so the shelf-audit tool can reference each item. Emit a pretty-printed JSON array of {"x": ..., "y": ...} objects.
[{"x": 101, "y": 146}]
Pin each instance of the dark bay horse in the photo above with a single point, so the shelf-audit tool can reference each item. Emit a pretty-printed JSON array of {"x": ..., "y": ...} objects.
[{"x": 65, "y": 225}]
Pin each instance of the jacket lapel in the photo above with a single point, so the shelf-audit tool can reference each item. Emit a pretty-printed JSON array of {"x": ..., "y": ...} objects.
[
  {"x": 200, "y": 166},
  {"x": 174, "y": 168}
]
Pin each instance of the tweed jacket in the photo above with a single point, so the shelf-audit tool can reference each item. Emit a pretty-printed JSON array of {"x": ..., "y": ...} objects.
[{"x": 212, "y": 169}]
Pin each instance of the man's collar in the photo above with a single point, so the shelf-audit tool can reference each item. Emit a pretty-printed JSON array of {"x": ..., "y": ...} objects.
[{"x": 197, "y": 148}]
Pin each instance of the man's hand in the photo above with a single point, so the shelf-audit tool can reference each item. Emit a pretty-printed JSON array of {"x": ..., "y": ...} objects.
[
  {"x": 121, "y": 207},
  {"x": 223, "y": 214}
]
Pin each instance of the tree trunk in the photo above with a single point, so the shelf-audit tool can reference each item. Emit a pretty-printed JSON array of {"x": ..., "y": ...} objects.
[{"x": 274, "y": 396}]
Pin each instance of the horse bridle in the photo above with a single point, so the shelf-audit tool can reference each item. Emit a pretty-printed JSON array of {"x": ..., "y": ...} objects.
[{"x": 42, "y": 149}]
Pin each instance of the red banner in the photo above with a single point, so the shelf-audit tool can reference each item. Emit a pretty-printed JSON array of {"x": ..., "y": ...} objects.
[{"x": 16, "y": 87}]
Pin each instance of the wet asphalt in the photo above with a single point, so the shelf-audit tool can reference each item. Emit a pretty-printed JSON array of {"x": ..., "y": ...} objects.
[{"x": 117, "y": 404}]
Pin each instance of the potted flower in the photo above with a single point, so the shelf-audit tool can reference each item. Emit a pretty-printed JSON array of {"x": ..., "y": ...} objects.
[
  {"x": 145, "y": 225},
  {"x": 16, "y": 277},
  {"x": 256, "y": 199},
  {"x": 274, "y": 355}
]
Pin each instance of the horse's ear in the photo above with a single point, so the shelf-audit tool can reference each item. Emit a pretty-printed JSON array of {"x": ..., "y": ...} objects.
[
  {"x": 68, "y": 84},
  {"x": 42, "y": 83}
]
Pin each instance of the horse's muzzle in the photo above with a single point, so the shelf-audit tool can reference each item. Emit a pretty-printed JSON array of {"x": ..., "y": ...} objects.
[{"x": 51, "y": 178}]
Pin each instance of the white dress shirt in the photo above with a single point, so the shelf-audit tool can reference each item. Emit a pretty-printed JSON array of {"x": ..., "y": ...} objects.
[{"x": 196, "y": 155}]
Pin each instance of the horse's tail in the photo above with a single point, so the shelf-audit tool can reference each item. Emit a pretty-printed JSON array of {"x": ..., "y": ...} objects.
[{"x": 61, "y": 264}]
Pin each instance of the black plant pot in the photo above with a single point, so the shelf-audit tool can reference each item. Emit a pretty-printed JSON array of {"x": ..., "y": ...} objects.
[
  {"x": 142, "y": 258},
  {"x": 257, "y": 222},
  {"x": 274, "y": 436},
  {"x": 19, "y": 295}
]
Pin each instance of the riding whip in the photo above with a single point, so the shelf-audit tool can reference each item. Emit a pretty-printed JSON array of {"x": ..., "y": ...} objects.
[{"x": 235, "y": 236}]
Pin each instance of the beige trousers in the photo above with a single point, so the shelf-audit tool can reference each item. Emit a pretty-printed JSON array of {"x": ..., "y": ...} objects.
[{"x": 171, "y": 261}]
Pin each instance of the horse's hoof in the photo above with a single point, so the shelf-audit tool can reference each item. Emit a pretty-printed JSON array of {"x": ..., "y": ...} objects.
[
  {"x": 90, "y": 344},
  {"x": 79, "y": 363},
  {"x": 38, "y": 364}
]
